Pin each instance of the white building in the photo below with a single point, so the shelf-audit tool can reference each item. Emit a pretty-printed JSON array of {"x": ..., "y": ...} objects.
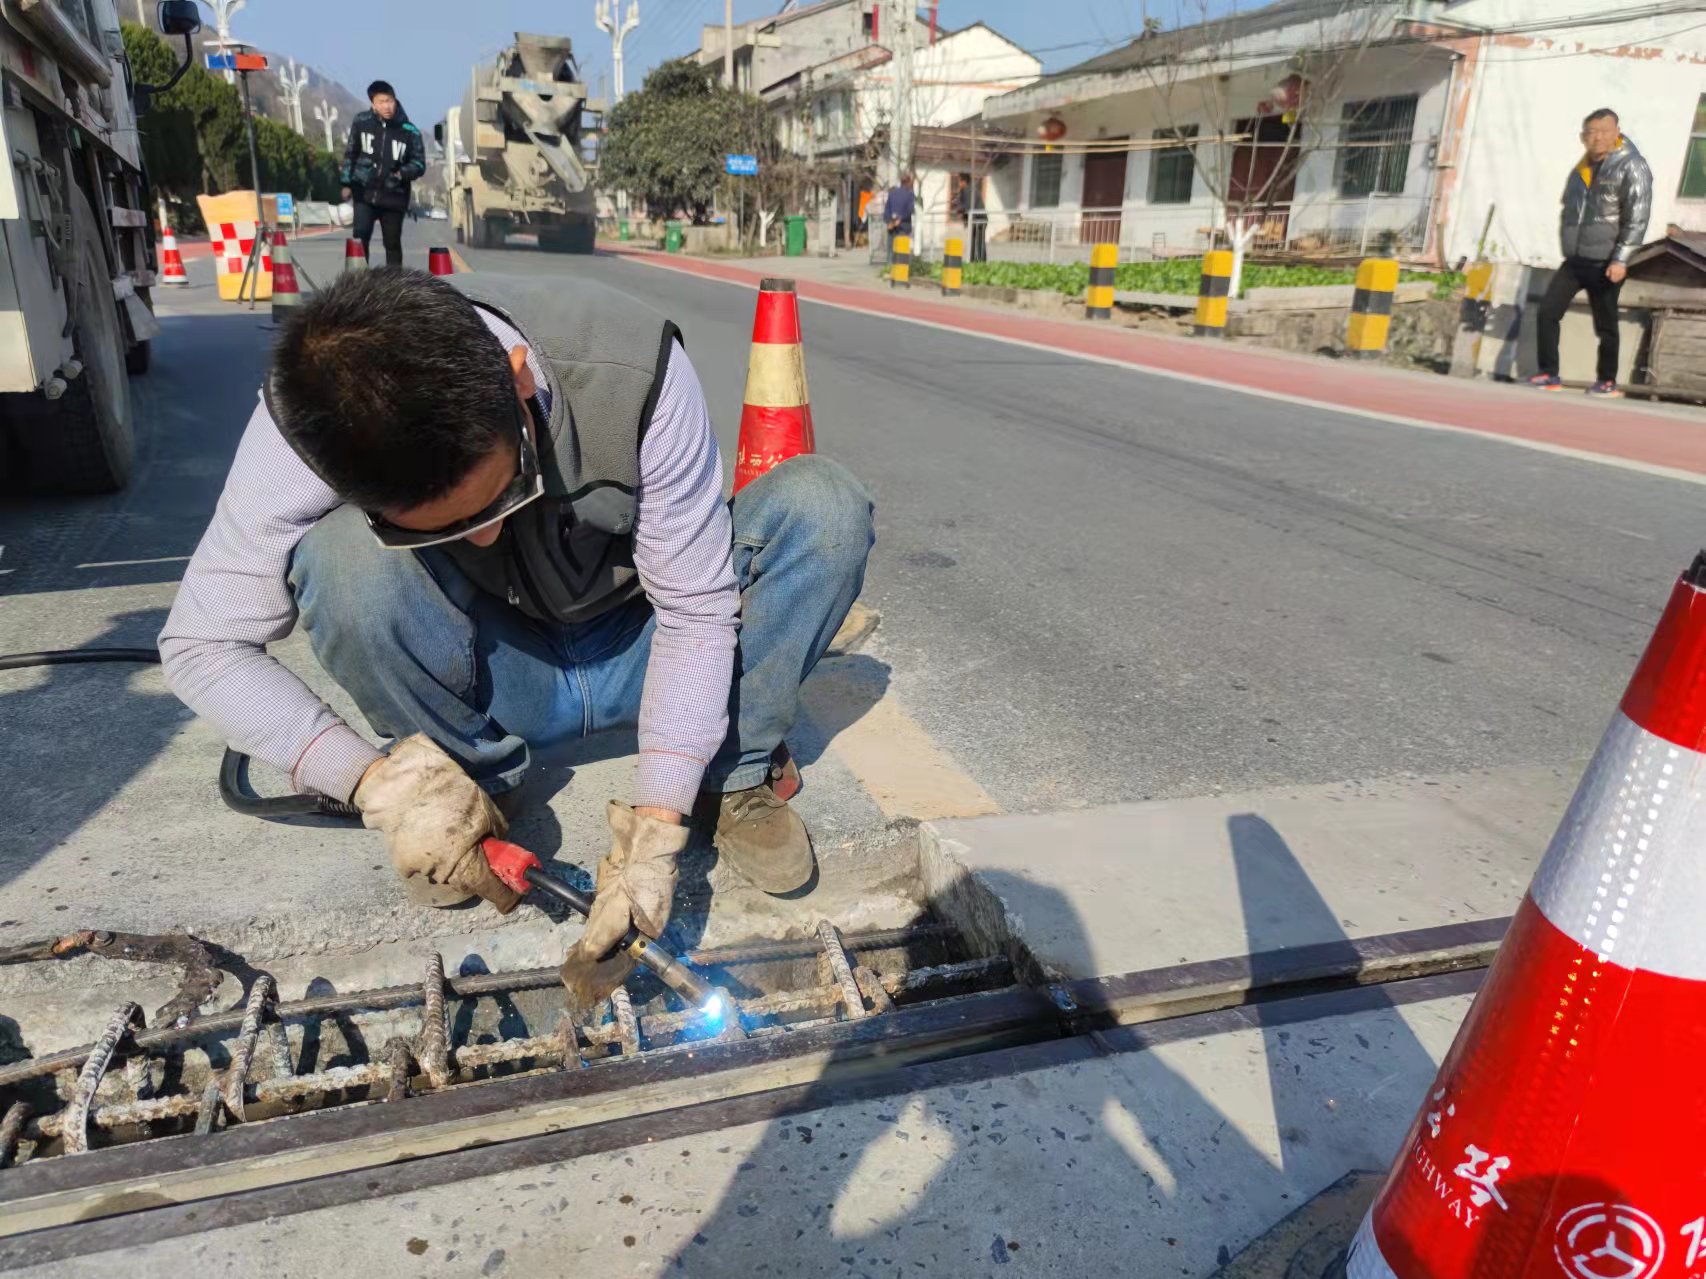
[
  {"x": 1402, "y": 126},
  {"x": 828, "y": 71}
]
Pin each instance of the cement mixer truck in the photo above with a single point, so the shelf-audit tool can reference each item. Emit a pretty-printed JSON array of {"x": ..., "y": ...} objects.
[{"x": 512, "y": 150}]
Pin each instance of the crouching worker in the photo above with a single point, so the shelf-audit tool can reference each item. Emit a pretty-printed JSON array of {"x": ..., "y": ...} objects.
[{"x": 497, "y": 509}]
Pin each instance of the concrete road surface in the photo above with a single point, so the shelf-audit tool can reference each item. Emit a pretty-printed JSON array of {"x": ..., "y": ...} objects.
[{"x": 1190, "y": 670}]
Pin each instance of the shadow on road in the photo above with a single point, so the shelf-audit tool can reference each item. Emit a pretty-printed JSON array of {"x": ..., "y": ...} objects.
[
  {"x": 1056, "y": 1171},
  {"x": 74, "y": 736}
]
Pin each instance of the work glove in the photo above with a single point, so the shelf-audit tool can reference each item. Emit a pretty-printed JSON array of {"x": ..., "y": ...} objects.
[
  {"x": 433, "y": 817},
  {"x": 636, "y": 885}
]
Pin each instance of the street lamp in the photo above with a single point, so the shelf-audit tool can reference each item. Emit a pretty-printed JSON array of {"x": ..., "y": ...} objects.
[
  {"x": 290, "y": 84},
  {"x": 327, "y": 117}
]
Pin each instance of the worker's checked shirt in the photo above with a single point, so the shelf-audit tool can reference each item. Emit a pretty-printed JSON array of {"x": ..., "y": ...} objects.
[{"x": 235, "y": 599}]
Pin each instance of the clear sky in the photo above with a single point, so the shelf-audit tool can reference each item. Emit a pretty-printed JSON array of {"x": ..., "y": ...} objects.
[{"x": 426, "y": 47}]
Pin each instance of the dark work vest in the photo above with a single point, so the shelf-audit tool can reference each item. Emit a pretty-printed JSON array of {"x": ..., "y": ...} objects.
[{"x": 569, "y": 556}]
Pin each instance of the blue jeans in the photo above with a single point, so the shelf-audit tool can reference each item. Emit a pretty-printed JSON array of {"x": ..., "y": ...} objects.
[{"x": 422, "y": 649}]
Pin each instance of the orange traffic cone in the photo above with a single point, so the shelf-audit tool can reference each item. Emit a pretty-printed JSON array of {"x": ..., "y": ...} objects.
[
  {"x": 1579, "y": 1064},
  {"x": 171, "y": 259},
  {"x": 776, "y": 417},
  {"x": 439, "y": 263},
  {"x": 286, "y": 293},
  {"x": 355, "y": 257}
]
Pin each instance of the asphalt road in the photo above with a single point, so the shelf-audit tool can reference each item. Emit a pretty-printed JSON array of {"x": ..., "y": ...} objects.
[{"x": 1098, "y": 584}]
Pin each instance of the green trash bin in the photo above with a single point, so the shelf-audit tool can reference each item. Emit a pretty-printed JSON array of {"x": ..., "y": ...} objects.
[
  {"x": 794, "y": 242},
  {"x": 623, "y": 231},
  {"x": 672, "y": 238}
]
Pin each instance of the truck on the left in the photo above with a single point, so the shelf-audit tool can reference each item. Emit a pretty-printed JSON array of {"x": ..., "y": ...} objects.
[{"x": 77, "y": 260}]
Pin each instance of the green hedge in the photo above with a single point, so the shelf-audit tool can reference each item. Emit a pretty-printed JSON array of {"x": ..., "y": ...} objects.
[{"x": 1174, "y": 275}]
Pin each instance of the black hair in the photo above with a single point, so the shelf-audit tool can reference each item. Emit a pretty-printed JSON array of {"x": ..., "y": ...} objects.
[
  {"x": 378, "y": 87},
  {"x": 391, "y": 387},
  {"x": 1601, "y": 114}
]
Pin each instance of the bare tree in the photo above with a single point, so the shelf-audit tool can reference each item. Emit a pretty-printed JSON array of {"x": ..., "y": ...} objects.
[{"x": 1194, "y": 69}]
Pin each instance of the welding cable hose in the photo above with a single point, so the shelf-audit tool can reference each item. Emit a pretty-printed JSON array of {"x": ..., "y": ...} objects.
[{"x": 232, "y": 790}]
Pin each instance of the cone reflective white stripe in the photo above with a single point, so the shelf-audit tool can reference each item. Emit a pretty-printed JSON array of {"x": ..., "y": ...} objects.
[
  {"x": 1564, "y": 1133},
  {"x": 171, "y": 258}
]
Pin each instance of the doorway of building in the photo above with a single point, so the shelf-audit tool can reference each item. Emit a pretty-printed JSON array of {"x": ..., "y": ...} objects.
[
  {"x": 1104, "y": 195},
  {"x": 1264, "y": 176}
]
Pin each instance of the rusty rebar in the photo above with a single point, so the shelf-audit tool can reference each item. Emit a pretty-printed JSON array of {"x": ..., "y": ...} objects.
[
  {"x": 435, "y": 1031},
  {"x": 830, "y": 936},
  {"x": 399, "y": 1062},
  {"x": 628, "y": 1024},
  {"x": 243, "y": 1054},
  {"x": 12, "y": 1128},
  {"x": 76, "y": 1115},
  {"x": 207, "y": 1114},
  {"x": 800, "y": 947},
  {"x": 871, "y": 987}
]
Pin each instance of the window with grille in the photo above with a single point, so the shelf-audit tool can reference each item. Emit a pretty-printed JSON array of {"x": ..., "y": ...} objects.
[
  {"x": 1172, "y": 169},
  {"x": 1375, "y": 156},
  {"x": 1694, "y": 163},
  {"x": 1045, "y": 181}
]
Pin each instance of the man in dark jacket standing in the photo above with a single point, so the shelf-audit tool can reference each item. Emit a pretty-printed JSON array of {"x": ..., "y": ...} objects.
[
  {"x": 384, "y": 155},
  {"x": 1608, "y": 198}
]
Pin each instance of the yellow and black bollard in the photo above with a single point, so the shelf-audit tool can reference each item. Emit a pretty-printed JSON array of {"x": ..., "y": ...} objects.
[
  {"x": 1371, "y": 308},
  {"x": 900, "y": 262},
  {"x": 1099, "y": 297},
  {"x": 953, "y": 254},
  {"x": 1214, "y": 291}
]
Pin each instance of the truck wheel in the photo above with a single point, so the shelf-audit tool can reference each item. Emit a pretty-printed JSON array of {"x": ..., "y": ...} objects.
[
  {"x": 577, "y": 237},
  {"x": 493, "y": 232},
  {"x": 84, "y": 441}
]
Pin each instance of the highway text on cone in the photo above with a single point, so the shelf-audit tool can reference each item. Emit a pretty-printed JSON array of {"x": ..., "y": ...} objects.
[
  {"x": 776, "y": 414},
  {"x": 1564, "y": 1132}
]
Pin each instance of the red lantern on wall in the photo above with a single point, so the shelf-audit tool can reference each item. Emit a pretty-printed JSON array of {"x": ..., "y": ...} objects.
[{"x": 1052, "y": 129}]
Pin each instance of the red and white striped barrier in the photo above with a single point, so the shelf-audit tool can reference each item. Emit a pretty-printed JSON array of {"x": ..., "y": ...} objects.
[
  {"x": 1566, "y": 1131},
  {"x": 776, "y": 411},
  {"x": 233, "y": 242}
]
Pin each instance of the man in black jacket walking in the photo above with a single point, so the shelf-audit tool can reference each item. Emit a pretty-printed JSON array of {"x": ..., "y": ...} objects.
[{"x": 384, "y": 155}]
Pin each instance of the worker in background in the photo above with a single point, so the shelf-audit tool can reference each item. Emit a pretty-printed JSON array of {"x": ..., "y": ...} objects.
[
  {"x": 1607, "y": 200},
  {"x": 902, "y": 205},
  {"x": 488, "y": 571},
  {"x": 384, "y": 155}
]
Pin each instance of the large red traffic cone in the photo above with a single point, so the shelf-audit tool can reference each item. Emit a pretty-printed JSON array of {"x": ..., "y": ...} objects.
[
  {"x": 355, "y": 257},
  {"x": 171, "y": 259},
  {"x": 1580, "y": 1062},
  {"x": 439, "y": 263},
  {"x": 286, "y": 293},
  {"x": 776, "y": 416}
]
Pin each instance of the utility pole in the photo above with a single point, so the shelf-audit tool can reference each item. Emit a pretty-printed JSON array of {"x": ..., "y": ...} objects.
[
  {"x": 327, "y": 117},
  {"x": 222, "y": 13},
  {"x": 291, "y": 84},
  {"x": 903, "y": 21},
  {"x": 729, "y": 43},
  {"x": 618, "y": 32}
]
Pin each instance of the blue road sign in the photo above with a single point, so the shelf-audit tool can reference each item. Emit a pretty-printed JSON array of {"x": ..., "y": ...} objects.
[
  {"x": 743, "y": 166},
  {"x": 286, "y": 205},
  {"x": 221, "y": 62}
]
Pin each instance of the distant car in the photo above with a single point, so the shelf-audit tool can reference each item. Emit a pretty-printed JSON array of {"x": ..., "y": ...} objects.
[{"x": 439, "y": 215}]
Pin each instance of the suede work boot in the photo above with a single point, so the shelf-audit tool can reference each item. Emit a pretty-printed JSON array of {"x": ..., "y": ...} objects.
[{"x": 760, "y": 835}]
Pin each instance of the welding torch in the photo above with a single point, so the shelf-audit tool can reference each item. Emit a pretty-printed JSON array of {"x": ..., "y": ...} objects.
[{"x": 520, "y": 869}]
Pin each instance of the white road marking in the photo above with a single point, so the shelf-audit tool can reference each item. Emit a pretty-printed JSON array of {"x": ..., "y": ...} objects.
[
  {"x": 160, "y": 559},
  {"x": 1372, "y": 415}
]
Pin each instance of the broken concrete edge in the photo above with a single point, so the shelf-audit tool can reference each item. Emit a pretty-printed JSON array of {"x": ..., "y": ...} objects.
[
  {"x": 988, "y": 923},
  {"x": 866, "y": 883}
]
